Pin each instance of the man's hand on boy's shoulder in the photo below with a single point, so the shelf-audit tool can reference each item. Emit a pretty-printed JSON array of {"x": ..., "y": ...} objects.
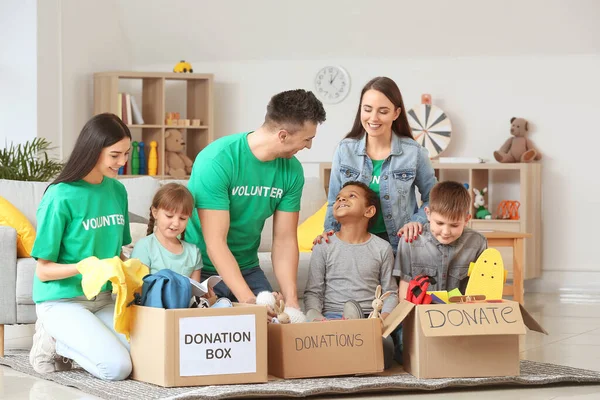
[{"x": 410, "y": 231}]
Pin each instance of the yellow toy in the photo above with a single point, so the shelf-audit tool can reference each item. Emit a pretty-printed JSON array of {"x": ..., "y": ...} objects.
[
  {"x": 487, "y": 276},
  {"x": 153, "y": 159},
  {"x": 183, "y": 66}
]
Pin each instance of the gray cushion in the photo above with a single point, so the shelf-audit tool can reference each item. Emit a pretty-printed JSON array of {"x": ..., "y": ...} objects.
[
  {"x": 25, "y": 272},
  {"x": 313, "y": 198},
  {"x": 267, "y": 266},
  {"x": 137, "y": 219},
  {"x": 26, "y": 314}
]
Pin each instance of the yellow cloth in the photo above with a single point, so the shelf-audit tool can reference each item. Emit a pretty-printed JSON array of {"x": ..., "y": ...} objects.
[
  {"x": 11, "y": 216},
  {"x": 310, "y": 229},
  {"x": 126, "y": 278}
]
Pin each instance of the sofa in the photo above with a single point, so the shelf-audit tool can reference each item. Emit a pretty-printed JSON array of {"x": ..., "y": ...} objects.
[{"x": 16, "y": 274}]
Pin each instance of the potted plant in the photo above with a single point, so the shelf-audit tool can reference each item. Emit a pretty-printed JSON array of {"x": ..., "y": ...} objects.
[{"x": 28, "y": 162}]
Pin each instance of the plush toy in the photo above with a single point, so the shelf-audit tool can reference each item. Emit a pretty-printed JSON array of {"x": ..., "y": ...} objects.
[
  {"x": 378, "y": 302},
  {"x": 178, "y": 165},
  {"x": 480, "y": 211},
  {"x": 518, "y": 148},
  {"x": 282, "y": 316},
  {"x": 267, "y": 298}
]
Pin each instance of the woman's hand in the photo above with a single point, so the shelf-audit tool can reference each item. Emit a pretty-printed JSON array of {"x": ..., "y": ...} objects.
[
  {"x": 325, "y": 235},
  {"x": 410, "y": 231}
]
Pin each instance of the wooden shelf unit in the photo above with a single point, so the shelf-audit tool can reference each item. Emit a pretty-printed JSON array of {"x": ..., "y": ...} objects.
[
  {"x": 528, "y": 177},
  {"x": 199, "y": 105}
]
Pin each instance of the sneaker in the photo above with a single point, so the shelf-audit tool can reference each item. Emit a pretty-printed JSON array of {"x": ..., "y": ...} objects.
[
  {"x": 353, "y": 310},
  {"x": 313, "y": 315},
  {"x": 62, "y": 364},
  {"x": 43, "y": 351}
]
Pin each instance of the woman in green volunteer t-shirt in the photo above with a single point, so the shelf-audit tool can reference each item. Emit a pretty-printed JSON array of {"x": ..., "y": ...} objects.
[{"x": 82, "y": 214}]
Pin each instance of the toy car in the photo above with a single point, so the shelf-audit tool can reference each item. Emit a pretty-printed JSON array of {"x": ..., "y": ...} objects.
[{"x": 183, "y": 66}]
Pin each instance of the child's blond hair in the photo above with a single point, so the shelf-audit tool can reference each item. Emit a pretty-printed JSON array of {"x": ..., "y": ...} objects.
[
  {"x": 450, "y": 199},
  {"x": 172, "y": 197}
]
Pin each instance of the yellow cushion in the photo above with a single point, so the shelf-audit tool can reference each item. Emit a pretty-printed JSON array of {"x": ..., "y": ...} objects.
[
  {"x": 310, "y": 229},
  {"x": 11, "y": 216}
]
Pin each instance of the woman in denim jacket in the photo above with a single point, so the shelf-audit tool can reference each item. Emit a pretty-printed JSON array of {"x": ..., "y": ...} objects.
[{"x": 381, "y": 152}]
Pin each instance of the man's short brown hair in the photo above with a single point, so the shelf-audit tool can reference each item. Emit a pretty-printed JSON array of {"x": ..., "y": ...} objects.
[
  {"x": 293, "y": 108},
  {"x": 450, "y": 199}
]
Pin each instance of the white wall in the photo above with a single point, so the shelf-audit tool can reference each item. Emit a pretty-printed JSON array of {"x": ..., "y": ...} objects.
[
  {"x": 18, "y": 69},
  {"x": 77, "y": 38},
  {"x": 557, "y": 94}
]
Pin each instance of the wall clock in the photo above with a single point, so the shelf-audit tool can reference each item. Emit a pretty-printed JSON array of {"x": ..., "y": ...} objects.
[{"x": 332, "y": 84}]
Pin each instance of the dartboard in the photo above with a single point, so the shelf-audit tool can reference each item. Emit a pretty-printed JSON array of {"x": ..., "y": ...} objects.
[{"x": 431, "y": 128}]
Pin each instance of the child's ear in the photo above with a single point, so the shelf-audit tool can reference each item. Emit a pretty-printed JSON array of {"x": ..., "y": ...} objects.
[
  {"x": 370, "y": 212},
  {"x": 428, "y": 213},
  {"x": 468, "y": 218},
  {"x": 154, "y": 211}
]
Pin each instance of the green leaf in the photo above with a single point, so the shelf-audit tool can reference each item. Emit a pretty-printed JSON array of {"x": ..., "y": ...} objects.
[{"x": 29, "y": 161}]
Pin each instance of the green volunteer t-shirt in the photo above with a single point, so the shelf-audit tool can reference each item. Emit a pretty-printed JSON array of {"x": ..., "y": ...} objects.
[
  {"x": 379, "y": 225},
  {"x": 227, "y": 176},
  {"x": 77, "y": 220}
]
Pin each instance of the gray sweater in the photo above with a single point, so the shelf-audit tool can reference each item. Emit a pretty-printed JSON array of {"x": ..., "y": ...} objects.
[{"x": 341, "y": 271}]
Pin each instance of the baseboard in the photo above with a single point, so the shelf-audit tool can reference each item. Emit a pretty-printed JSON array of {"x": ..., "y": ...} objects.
[{"x": 582, "y": 282}]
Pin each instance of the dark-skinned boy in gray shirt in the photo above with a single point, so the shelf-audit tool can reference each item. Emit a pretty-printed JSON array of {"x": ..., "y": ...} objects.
[{"x": 345, "y": 272}]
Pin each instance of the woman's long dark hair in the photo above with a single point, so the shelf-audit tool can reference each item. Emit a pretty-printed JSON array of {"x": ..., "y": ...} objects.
[
  {"x": 103, "y": 130},
  {"x": 389, "y": 88}
]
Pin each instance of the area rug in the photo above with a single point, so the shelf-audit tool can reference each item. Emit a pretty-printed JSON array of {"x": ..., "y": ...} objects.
[{"x": 532, "y": 373}]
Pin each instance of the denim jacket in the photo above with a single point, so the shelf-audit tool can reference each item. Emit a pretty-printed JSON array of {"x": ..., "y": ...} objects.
[{"x": 407, "y": 166}]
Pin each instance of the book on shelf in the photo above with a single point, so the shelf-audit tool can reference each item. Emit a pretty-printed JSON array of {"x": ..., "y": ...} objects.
[
  {"x": 136, "y": 112},
  {"x": 128, "y": 109},
  {"x": 120, "y": 106},
  {"x": 461, "y": 160}
]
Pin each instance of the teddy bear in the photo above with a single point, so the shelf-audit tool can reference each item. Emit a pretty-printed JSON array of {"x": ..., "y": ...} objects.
[
  {"x": 177, "y": 164},
  {"x": 517, "y": 148}
]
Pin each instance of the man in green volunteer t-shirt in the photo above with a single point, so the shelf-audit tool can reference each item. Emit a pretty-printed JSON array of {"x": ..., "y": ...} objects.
[{"x": 238, "y": 182}]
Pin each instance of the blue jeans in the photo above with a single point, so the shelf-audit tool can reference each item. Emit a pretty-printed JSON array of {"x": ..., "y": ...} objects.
[
  {"x": 396, "y": 335},
  {"x": 84, "y": 332},
  {"x": 254, "y": 277}
]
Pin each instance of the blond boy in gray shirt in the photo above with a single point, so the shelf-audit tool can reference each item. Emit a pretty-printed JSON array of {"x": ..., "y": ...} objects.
[{"x": 446, "y": 246}]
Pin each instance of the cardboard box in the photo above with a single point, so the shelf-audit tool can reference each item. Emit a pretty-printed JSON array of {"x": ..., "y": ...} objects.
[
  {"x": 329, "y": 348},
  {"x": 199, "y": 346},
  {"x": 461, "y": 339}
]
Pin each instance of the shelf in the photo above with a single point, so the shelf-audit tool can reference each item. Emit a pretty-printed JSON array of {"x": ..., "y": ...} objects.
[
  {"x": 186, "y": 127},
  {"x": 196, "y": 94},
  {"x": 161, "y": 177},
  {"x": 167, "y": 126},
  {"x": 145, "y": 75},
  {"x": 144, "y": 126},
  {"x": 497, "y": 221},
  {"x": 485, "y": 166}
]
